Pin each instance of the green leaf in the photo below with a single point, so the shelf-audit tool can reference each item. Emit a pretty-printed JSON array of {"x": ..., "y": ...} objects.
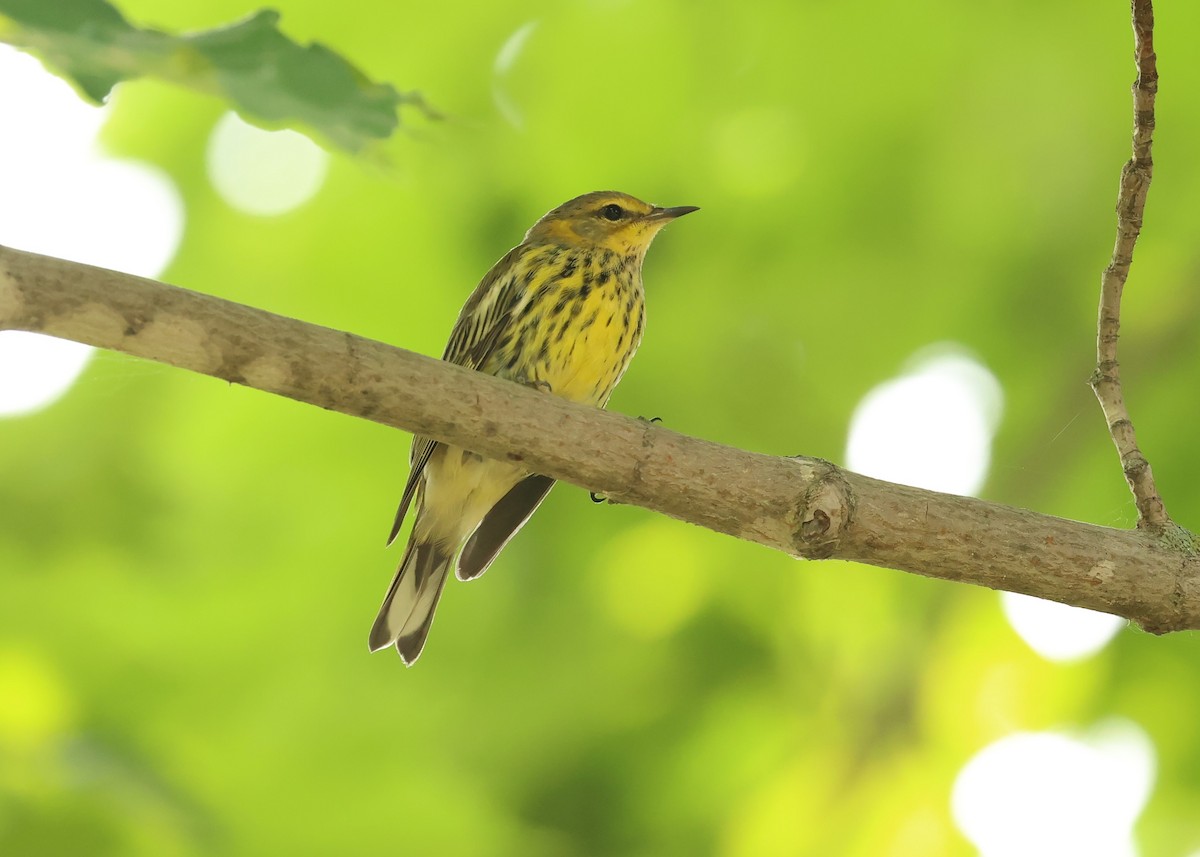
[{"x": 268, "y": 78}]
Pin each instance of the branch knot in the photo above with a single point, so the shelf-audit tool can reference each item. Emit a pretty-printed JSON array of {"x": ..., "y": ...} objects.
[{"x": 824, "y": 511}]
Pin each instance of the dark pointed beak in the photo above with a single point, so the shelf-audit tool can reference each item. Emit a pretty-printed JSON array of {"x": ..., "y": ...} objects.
[{"x": 671, "y": 213}]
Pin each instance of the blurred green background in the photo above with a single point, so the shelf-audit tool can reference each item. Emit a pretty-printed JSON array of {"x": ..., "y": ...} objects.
[{"x": 188, "y": 570}]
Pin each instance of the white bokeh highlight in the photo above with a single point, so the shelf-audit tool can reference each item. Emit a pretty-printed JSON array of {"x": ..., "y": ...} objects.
[
  {"x": 264, "y": 173},
  {"x": 932, "y": 426},
  {"x": 505, "y": 59},
  {"x": 35, "y": 370},
  {"x": 63, "y": 197},
  {"x": 1059, "y": 632},
  {"x": 1046, "y": 794}
]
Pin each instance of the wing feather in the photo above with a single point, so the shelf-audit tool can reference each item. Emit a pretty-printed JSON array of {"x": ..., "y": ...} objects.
[
  {"x": 500, "y": 524},
  {"x": 481, "y": 321}
]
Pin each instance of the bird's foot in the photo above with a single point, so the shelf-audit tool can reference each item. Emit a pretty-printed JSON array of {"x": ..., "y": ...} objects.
[
  {"x": 604, "y": 498},
  {"x": 535, "y": 383}
]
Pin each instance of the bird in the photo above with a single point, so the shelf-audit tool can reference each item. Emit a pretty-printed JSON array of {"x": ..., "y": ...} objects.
[{"x": 563, "y": 312}]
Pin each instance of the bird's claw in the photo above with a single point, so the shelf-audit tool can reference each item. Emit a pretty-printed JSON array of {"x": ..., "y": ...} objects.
[
  {"x": 604, "y": 498},
  {"x": 535, "y": 383}
]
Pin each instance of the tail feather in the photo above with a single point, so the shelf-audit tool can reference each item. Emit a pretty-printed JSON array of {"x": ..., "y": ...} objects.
[{"x": 408, "y": 608}]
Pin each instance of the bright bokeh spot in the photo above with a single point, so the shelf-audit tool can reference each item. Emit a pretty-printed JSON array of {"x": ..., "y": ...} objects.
[
  {"x": 36, "y": 704},
  {"x": 266, "y": 173},
  {"x": 932, "y": 427},
  {"x": 1059, "y": 632},
  {"x": 1044, "y": 794},
  {"x": 651, "y": 581},
  {"x": 506, "y": 58},
  {"x": 62, "y": 197},
  {"x": 35, "y": 370},
  {"x": 115, "y": 214}
]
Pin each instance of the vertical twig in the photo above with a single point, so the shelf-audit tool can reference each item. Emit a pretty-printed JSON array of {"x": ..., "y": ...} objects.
[{"x": 1131, "y": 202}]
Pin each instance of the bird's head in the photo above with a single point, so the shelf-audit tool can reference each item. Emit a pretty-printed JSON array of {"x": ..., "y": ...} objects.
[{"x": 606, "y": 220}]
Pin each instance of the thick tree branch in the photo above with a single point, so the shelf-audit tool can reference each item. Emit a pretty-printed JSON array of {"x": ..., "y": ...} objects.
[
  {"x": 802, "y": 506},
  {"x": 1131, "y": 203}
]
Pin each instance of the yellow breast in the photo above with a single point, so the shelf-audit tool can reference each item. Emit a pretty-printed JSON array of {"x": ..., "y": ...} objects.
[{"x": 578, "y": 327}]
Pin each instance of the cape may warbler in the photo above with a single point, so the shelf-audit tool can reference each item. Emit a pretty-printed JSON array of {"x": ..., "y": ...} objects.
[{"x": 562, "y": 311}]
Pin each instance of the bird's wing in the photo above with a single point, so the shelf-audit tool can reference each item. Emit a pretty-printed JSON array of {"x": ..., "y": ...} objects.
[
  {"x": 422, "y": 449},
  {"x": 500, "y": 524},
  {"x": 486, "y": 313},
  {"x": 482, "y": 319}
]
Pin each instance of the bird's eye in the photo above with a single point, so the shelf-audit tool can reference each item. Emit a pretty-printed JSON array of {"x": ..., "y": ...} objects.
[{"x": 612, "y": 211}]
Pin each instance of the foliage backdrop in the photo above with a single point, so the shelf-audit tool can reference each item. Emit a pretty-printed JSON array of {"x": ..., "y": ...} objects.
[{"x": 188, "y": 570}]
